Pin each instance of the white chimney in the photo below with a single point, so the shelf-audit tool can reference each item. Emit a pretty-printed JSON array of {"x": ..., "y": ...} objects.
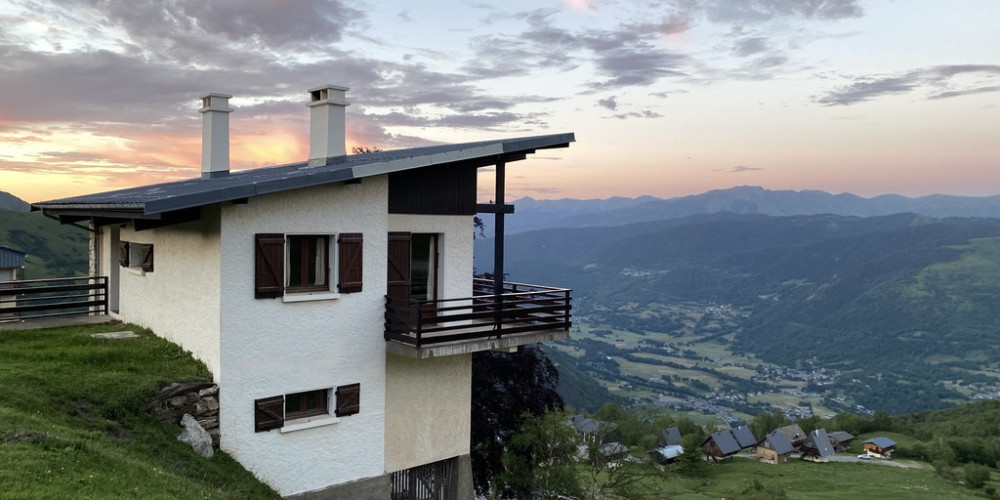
[
  {"x": 215, "y": 135},
  {"x": 326, "y": 124}
]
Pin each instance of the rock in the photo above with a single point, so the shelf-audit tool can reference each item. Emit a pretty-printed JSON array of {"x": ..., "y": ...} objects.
[
  {"x": 212, "y": 404},
  {"x": 198, "y": 438},
  {"x": 210, "y": 391}
]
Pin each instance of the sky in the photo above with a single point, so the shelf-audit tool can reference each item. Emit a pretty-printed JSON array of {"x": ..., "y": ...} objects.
[{"x": 666, "y": 97}]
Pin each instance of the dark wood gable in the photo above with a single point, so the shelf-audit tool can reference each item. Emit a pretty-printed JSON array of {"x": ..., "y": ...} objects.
[{"x": 437, "y": 190}]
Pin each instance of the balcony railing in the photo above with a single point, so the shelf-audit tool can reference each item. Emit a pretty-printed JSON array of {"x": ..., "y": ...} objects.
[
  {"x": 519, "y": 310},
  {"x": 43, "y": 298}
]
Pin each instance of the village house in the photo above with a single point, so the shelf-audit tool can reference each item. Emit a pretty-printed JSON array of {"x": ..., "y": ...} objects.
[
  {"x": 11, "y": 264},
  {"x": 841, "y": 440},
  {"x": 775, "y": 448},
  {"x": 817, "y": 446},
  {"x": 880, "y": 447},
  {"x": 727, "y": 443},
  {"x": 332, "y": 299},
  {"x": 672, "y": 436},
  {"x": 794, "y": 433}
]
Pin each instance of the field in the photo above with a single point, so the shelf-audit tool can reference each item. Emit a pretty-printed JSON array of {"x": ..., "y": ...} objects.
[
  {"x": 742, "y": 478},
  {"x": 72, "y": 426}
]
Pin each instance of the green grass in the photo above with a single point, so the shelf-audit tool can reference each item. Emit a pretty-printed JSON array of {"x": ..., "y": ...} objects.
[
  {"x": 807, "y": 480},
  {"x": 72, "y": 425}
]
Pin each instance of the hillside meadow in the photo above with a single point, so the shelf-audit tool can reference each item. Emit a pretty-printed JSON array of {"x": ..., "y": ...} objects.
[{"x": 72, "y": 425}]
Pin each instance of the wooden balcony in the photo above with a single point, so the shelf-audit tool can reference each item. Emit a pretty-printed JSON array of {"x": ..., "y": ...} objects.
[{"x": 521, "y": 314}]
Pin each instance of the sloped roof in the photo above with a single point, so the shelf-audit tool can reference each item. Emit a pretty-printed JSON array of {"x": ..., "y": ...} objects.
[
  {"x": 671, "y": 451},
  {"x": 585, "y": 425},
  {"x": 882, "y": 442},
  {"x": 841, "y": 436},
  {"x": 779, "y": 443},
  {"x": 726, "y": 442},
  {"x": 196, "y": 192},
  {"x": 673, "y": 435},
  {"x": 819, "y": 443},
  {"x": 744, "y": 436},
  {"x": 10, "y": 258},
  {"x": 793, "y": 432}
]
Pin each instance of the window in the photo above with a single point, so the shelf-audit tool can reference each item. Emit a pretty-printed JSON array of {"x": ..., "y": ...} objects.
[
  {"x": 135, "y": 255},
  {"x": 306, "y": 404},
  {"x": 307, "y": 263},
  {"x": 299, "y": 263},
  {"x": 276, "y": 411}
]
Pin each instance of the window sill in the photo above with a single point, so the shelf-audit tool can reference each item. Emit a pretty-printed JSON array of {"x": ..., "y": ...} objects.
[
  {"x": 302, "y": 424},
  {"x": 309, "y": 296}
]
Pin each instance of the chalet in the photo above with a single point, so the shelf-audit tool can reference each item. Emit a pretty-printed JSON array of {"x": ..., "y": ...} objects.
[
  {"x": 11, "y": 264},
  {"x": 775, "y": 448},
  {"x": 841, "y": 440},
  {"x": 817, "y": 447},
  {"x": 672, "y": 436},
  {"x": 670, "y": 452},
  {"x": 744, "y": 437},
  {"x": 794, "y": 433},
  {"x": 11, "y": 269},
  {"x": 880, "y": 447},
  {"x": 720, "y": 445},
  {"x": 332, "y": 299},
  {"x": 588, "y": 428}
]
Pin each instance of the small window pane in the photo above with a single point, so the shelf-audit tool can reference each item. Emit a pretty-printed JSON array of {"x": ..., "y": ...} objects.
[{"x": 306, "y": 262}]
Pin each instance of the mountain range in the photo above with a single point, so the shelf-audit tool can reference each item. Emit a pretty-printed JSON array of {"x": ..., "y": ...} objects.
[{"x": 541, "y": 214}]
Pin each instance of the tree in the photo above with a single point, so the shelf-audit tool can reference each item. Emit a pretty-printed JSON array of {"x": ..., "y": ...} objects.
[
  {"x": 506, "y": 389},
  {"x": 976, "y": 475},
  {"x": 362, "y": 150},
  {"x": 539, "y": 463}
]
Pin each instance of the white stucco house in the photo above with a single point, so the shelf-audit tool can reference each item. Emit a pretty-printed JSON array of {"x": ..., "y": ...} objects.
[{"x": 333, "y": 300}]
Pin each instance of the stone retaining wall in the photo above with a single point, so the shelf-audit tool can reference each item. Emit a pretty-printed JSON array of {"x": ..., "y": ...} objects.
[{"x": 200, "y": 399}]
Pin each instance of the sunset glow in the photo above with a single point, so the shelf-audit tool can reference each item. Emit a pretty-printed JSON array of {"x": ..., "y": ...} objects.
[{"x": 667, "y": 98}]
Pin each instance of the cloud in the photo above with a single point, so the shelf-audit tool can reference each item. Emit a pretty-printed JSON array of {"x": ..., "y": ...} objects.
[
  {"x": 609, "y": 103},
  {"x": 738, "y": 169},
  {"x": 939, "y": 81},
  {"x": 749, "y": 46},
  {"x": 754, "y": 11},
  {"x": 638, "y": 114}
]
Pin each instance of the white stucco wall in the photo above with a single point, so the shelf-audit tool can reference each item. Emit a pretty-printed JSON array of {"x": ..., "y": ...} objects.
[
  {"x": 428, "y": 402},
  {"x": 271, "y": 347},
  {"x": 179, "y": 300},
  {"x": 427, "y": 410}
]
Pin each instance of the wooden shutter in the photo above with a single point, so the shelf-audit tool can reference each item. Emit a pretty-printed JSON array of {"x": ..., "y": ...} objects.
[
  {"x": 269, "y": 274},
  {"x": 348, "y": 400},
  {"x": 398, "y": 270},
  {"x": 123, "y": 253},
  {"x": 269, "y": 413},
  {"x": 349, "y": 250},
  {"x": 146, "y": 257}
]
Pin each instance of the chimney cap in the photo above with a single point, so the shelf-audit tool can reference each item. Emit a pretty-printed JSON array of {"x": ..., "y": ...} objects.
[
  {"x": 214, "y": 101},
  {"x": 328, "y": 94}
]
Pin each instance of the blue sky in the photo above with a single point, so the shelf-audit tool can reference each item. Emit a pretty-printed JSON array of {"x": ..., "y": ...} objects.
[{"x": 667, "y": 97}]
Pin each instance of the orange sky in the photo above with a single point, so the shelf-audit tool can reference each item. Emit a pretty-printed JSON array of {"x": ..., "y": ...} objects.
[{"x": 668, "y": 99}]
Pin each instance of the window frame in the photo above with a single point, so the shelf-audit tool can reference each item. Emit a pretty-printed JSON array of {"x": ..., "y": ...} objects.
[
  {"x": 322, "y": 406},
  {"x": 136, "y": 256},
  {"x": 271, "y": 263},
  {"x": 328, "y": 276}
]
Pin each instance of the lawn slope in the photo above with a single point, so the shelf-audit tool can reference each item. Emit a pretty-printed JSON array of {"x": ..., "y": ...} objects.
[{"x": 72, "y": 426}]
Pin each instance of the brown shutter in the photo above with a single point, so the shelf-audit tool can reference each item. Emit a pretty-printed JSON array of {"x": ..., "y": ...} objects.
[
  {"x": 146, "y": 252},
  {"x": 123, "y": 253},
  {"x": 269, "y": 413},
  {"x": 398, "y": 270},
  {"x": 349, "y": 250},
  {"x": 348, "y": 400},
  {"x": 269, "y": 275}
]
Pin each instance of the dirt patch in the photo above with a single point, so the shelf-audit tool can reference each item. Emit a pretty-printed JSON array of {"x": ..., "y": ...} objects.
[{"x": 30, "y": 436}]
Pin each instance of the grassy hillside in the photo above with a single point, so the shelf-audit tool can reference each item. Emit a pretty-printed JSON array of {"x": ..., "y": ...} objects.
[
  {"x": 54, "y": 250},
  {"x": 72, "y": 426}
]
